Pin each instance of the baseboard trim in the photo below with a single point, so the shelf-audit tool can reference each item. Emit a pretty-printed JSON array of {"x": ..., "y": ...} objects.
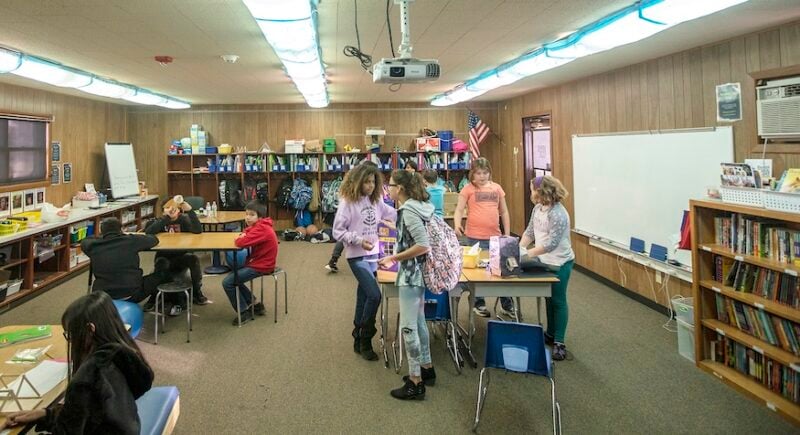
[{"x": 622, "y": 290}]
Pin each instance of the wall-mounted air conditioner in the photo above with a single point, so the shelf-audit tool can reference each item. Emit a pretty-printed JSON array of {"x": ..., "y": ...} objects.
[{"x": 778, "y": 109}]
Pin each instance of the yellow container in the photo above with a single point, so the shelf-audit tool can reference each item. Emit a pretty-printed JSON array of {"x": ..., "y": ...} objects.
[
  {"x": 8, "y": 227},
  {"x": 469, "y": 261},
  {"x": 224, "y": 149},
  {"x": 33, "y": 216}
]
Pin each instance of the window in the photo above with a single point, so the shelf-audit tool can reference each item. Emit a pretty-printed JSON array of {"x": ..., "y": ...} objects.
[{"x": 24, "y": 151}]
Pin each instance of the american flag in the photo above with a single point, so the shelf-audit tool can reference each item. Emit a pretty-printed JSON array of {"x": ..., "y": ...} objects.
[{"x": 478, "y": 131}]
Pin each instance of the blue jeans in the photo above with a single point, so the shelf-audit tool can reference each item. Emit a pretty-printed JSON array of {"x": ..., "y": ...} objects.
[
  {"x": 368, "y": 294},
  {"x": 414, "y": 328},
  {"x": 245, "y": 296},
  {"x": 506, "y": 303}
]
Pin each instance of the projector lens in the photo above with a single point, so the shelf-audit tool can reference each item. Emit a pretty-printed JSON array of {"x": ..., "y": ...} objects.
[{"x": 397, "y": 71}]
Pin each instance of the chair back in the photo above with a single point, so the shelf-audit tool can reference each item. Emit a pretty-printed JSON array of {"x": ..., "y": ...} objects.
[
  {"x": 437, "y": 306},
  {"x": 197, "y": 202},
  {"x": 155, "y": 408},
  {"x": 517, "y": 347},
  {"x": 131, "y": 314}
]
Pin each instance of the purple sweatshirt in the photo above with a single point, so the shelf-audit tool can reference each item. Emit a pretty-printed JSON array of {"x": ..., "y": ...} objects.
[{"x": 358, "y": 221}]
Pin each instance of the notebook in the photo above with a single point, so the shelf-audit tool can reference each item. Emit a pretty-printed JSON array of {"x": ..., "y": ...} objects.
[{"x": 23, "y": 335}]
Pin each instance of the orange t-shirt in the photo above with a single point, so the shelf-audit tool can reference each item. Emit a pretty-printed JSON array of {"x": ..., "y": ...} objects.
[{"x": 483, "y": 218}]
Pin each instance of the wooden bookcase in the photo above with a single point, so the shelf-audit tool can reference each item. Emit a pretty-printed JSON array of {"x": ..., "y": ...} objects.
[
  {"x": 187, "y": 173},
  {"x": 41, "y": 268},
  {"x": 732, "y": 341}
]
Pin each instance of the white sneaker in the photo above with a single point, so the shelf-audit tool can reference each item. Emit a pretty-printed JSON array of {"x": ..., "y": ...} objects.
[
  {"x": 175, "y": 310},
  {"x": 482, "y": 311},
  {"x": 512, "y": 313}
]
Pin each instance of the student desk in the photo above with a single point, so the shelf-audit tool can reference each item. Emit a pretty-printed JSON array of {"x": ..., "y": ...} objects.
[
  {"x": 222, "y": 218},
  {"x": 214, "y": 242},
  {"x": 57, "y": 351}
]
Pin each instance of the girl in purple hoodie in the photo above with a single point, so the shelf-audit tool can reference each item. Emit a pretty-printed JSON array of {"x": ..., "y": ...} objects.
[{"x": 360, "y": 209}]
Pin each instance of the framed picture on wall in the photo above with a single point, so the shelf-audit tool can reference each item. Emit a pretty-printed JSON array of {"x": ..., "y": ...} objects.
[
  {"x": 30, "y": 200},
  {"x": 17, "y": 202},
  {"x": 5, "y": 204},
  {"x": 40, "y": 198}
]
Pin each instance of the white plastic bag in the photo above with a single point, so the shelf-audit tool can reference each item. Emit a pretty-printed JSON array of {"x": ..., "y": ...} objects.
[{"x": 52, "y": 214}]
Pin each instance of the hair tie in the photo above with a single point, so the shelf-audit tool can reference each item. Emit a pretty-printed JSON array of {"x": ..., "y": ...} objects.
[{"x": 537, "y": 182}]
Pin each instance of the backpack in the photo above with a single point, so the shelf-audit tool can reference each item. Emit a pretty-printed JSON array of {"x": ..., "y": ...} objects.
[
  {"x": 301, "y": 194},
  {"x": 284, "y": 192},
  {"x": 441, "y": 269},
  {"x": 449, "y": 186},
  {"x": 230, "y": 195},
  {"x": 262, "y": 192},
  {"x": 313, "y": 206},
  {"x": 249, "y": 191},
  {"x": 330, "y": 195},
  {"x": 463, "y": 183}
]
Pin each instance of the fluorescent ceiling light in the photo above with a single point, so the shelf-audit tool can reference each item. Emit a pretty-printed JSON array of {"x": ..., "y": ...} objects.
[
  {"x": 107, "y": 89},
  {"x": 175, "y": 104},
  {"x": 143, "y": 97},
  {"x": 9, "y": 60},
  {"x": 626, "y": 26},
  {"x": 279, "y": 9},
  {"x": 51, "y": 73}
]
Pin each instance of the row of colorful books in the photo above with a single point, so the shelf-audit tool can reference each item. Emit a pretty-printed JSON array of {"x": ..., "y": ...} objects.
[
  {"x": 773, "y": 375},
  {"x": 761, "y": 238},
  {"x": 749, "y": 278},
  {"x": 775, "y": 330}
]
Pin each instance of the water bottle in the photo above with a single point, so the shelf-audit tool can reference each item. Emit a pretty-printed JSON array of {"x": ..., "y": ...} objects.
[
  {"x": 214, "y": 209},
  {"x": 207, "y": 210}
]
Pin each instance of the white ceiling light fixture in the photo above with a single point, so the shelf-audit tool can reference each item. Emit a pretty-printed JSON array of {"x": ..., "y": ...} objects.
[
  {"x": 53, "y": 73},
  {"x": 290, "y": 27},
  {"x": 634, "y": 23}
]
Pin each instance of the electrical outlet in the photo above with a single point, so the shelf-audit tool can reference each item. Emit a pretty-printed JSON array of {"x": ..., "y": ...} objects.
[{"x": 658, "y": 277}]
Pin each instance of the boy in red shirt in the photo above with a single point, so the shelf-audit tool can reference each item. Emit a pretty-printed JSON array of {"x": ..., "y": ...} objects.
[{"x": 260, "y": 239}]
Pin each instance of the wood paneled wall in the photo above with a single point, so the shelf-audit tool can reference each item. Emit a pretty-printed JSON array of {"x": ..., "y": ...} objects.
[
  {"x": 251, "y": 125},
  {"x": 83, "y": 126},
  {"x": 676, "y": 91}
]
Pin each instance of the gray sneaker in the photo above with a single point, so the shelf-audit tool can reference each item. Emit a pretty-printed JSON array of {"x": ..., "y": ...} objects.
[
  {"x": 559, "y": 351},
  {"x": 482, "y": 311},
  {"x": 510, "y": 312}
]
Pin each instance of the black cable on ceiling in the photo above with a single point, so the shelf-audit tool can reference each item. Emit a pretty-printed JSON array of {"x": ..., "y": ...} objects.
[{"x": 350, "y": 51}]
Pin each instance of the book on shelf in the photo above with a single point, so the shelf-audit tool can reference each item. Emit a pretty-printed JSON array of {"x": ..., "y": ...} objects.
[
  {"x": 758, "y": 323},
  {"x": 773, "y": 285},
  {"x": 757, "y": 237}
]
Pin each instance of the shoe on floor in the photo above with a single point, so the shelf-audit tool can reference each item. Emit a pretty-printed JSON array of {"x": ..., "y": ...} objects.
[
  {"x": 175, "y": 310},
  {"x": 482, "y": 311},
  {"x": 201, "y": 299},
  {"x": 410, "y": 391},
  {"x": 260, "y": 309},
  {"x": 428, "y": 377},
  {"x": 332, "y": 267},
  {"x": 150, "y": 305},
  {"x": 246, "y": 317},
  {"x": 510, "y": 311},
  {"x": 559, "y": 351}
]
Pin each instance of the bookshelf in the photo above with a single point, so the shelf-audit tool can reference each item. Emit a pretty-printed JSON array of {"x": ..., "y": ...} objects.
[
  {"x": 189, "y": 174},
  {"x": 746, "y": 262}
]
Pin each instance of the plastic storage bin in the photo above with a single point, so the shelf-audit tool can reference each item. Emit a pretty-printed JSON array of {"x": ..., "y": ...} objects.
[
  {"x": 13, "y": 287},
  {"x": 686, "y": 340},
  {"x": 469, "y": 261},
  {"x": 684, "y": 309},
  {"x": 515, "y": 358}
]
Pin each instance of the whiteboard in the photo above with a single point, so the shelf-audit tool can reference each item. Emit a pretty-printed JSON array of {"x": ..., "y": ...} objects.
[
  {"x": 638, "y": 184},
  {"x": 121, "y": 170}
]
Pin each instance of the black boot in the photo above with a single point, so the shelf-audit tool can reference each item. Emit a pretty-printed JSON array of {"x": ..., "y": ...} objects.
[
  {"x": 428, "y": 376},
  {"x": 410, "y": 391},
  {"x": 356, "y": 338},
  {"x": 365, "y": 348}
]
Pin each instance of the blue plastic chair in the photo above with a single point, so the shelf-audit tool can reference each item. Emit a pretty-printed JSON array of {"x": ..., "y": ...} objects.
[
  {"x": 517, "y": 347},
  {"x": 131, "y": 314},
  {"x": 155, "y": 408}
]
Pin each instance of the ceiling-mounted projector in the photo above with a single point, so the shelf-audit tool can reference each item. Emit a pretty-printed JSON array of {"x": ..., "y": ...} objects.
[{"x": 407, "y": 70}]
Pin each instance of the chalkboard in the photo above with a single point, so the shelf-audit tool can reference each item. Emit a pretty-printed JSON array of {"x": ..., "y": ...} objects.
[
  {"x": 121, "y": 167},
  {"x": 638, "y": 184}
]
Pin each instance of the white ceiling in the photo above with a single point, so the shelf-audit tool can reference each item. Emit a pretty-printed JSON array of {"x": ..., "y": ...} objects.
[{"x": 118, "y": 39}]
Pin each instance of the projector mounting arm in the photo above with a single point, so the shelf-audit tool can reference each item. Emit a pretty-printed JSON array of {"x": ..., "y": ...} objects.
[{"x": 405, "y": 48}]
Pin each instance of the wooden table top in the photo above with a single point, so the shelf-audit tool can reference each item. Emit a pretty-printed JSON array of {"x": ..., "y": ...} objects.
[
  {"x": 223, "y": 217},
  {"x": 196, "y": 242},
  {"x": 477, "y": 275},
  {"x": 57, "y": 351}
]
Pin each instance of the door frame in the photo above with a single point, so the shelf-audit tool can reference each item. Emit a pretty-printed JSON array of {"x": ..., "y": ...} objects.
[{"x": 527, "y": 159}]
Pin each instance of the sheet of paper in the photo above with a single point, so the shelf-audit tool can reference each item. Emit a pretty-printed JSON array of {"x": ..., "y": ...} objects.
[{"x": 44, "y": 377}]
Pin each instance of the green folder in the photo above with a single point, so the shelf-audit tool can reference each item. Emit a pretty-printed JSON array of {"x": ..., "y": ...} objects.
[{"x": 23, "y": 335}]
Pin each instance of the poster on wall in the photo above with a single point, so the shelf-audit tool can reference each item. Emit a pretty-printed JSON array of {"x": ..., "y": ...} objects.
[
  {"x": 55, "y": 175},
  {"x": 17, "y": 202},
  {"x": 40, "y": 198},
  {"x": 30, "y": 200},
  {"x": 55, "y": 151},
  {"x": 67, "y": 173},
  {"x": 5, "y": 204},
  {"x": 729, "y": 102}
]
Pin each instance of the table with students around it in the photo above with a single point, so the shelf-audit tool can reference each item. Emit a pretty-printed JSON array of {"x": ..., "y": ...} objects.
[{"x": 211, "y": 224}]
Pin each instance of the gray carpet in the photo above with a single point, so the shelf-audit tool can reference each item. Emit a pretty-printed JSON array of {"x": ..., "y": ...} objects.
[{"x": 300, "y": 375}]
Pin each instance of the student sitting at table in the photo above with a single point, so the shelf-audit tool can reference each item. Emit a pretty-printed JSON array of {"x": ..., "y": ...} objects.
[
  {"x": 109, "y": 373},
  {"x": 260, "y": 238},
  {"x": 115, "y": 263},
  {"x": 179, "y": 217}
]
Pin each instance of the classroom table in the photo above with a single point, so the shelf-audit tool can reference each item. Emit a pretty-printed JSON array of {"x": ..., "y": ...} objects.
[
  {"x": 214, "y": 242},
  {"x": 221, "y": 218},
  {"x": 57, "y": 351}
]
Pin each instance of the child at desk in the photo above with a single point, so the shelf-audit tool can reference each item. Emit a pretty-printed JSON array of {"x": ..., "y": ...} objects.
[
  {"x": 487, "y": 205},
  {"x": 549, "y": 228},
  {"x": 179, "y": 217},
  {"x": 108, "y": 374},
  {"x": 260, "y": 238},
  {"x": 435, "y": 191}
]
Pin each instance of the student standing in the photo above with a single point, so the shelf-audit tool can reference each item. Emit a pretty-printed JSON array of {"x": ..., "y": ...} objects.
[
  {"x": 108, "y": 374},
  {"x": 549, "y": 229},
  {"x": 435, "y": 191},
  {"x": 361, "y": 207},
  {"x": 179, "y": 217},
  {"x": 408, "y": 190},
  {"x": 486, "y": 202},
  {"x": 411, "y": 165},
  {"x": 260, "y": 238}
]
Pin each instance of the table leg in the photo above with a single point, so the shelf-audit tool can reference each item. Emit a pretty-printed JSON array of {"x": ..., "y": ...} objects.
[
  {"x": 384, "y": 326},
  {"x": 539, "y": 310},
  {"x": 236, "y": 286},
  {"x": 518, "y": 311},
  {"x": 216, "y": 267}
]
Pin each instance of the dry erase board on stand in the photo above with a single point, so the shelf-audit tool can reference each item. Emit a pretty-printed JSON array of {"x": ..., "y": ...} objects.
[
  {"x": 121, "y": 167},
  {"x": 638, "y": 184}
]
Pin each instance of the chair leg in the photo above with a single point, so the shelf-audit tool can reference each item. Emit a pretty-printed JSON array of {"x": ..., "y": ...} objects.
[
  {"x": 452, "y": 345},
  {"x": 481, "y": 397},
  {"x": 285, "y": 293},
  {"x": 556, "y": 409},
  {"x": 261, "y": 279},
  {"x": 156, "y": 315},
  {"x": 188, "y": 315},
  {"x": 275, "y": 284},
  {"x": 252, "y": 302}
]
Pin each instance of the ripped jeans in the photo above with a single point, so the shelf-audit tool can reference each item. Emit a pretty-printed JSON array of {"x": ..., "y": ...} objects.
[{"x": 414, "y": 329}]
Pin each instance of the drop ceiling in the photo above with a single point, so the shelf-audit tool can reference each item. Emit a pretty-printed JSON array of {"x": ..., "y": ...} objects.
[{"x": 119, "y": 38}]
